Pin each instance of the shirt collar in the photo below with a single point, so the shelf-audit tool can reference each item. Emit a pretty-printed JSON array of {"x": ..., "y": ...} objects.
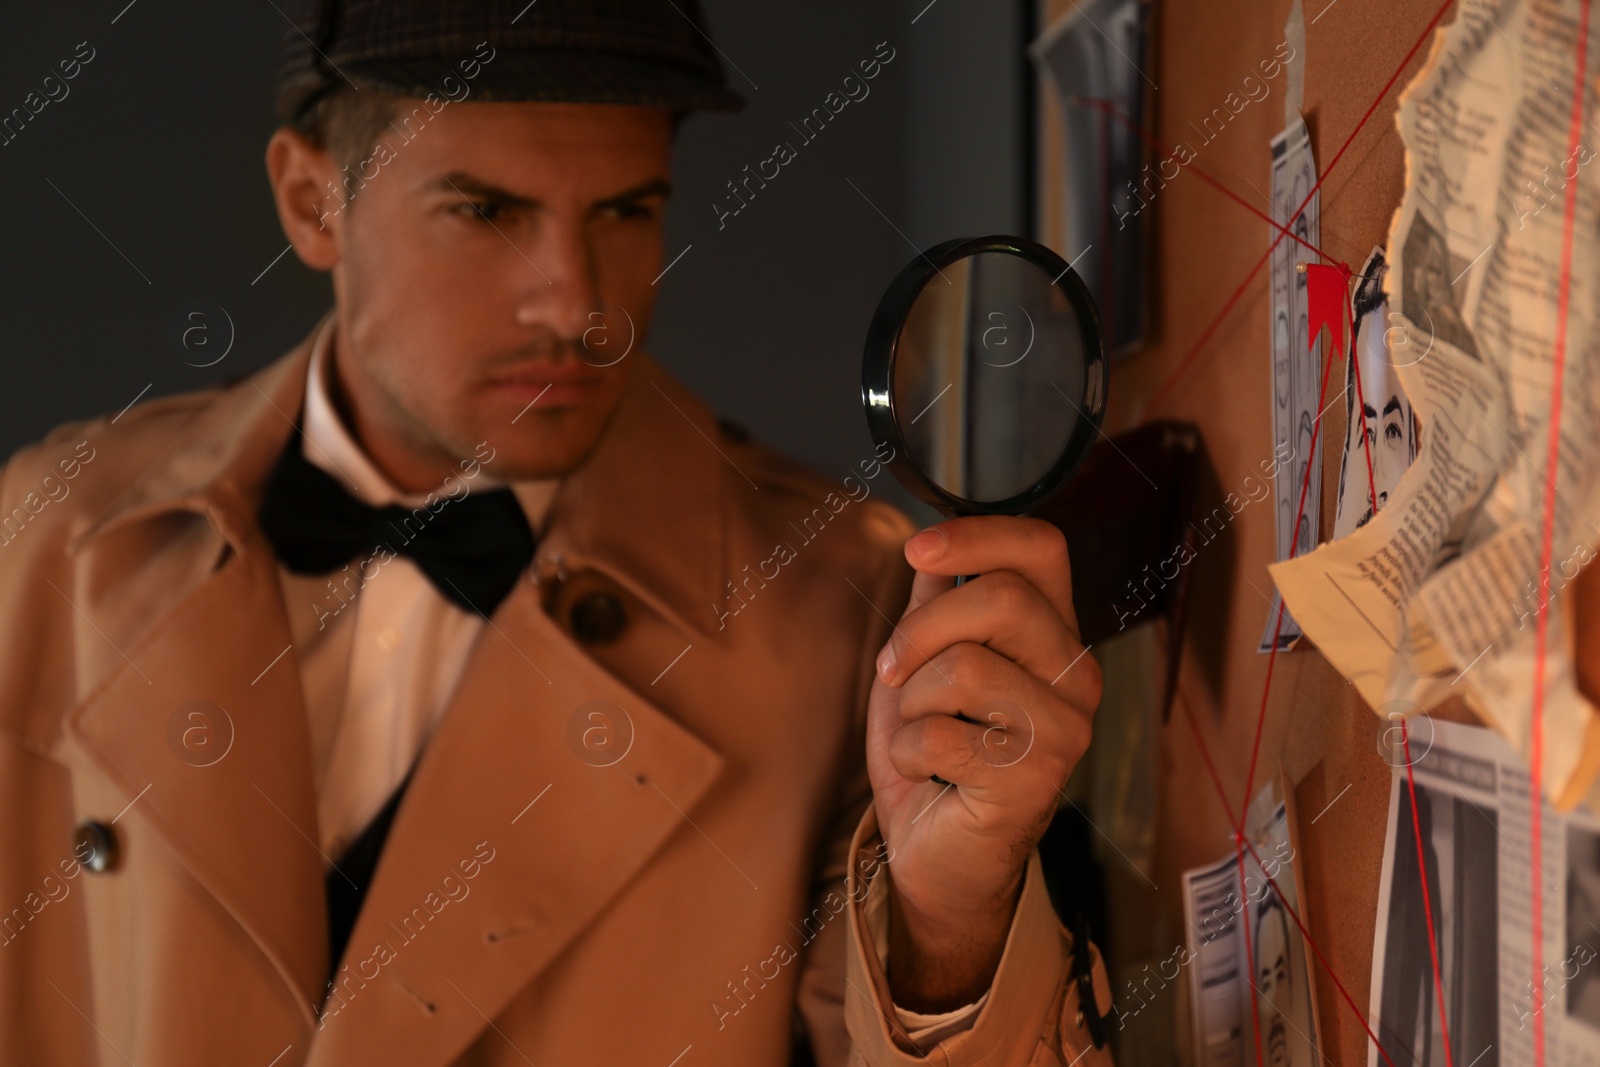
[
  {"x": 656, "y": 526},
  {"x": 329, "y": 445}
]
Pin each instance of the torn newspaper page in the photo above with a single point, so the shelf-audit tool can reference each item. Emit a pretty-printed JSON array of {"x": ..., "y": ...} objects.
[
  {"x": 1472, "y": 810},
  {"x": 1296, "y": 368},
  {"x": 1390, "y": 427},
  {"x": 1438, "y": 594},
  {"x": 1268, "y": 963}
]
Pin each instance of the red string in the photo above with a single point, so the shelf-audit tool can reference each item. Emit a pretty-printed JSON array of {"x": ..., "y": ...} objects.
[
  {"x": 1300, "y": 517},
  {"x": 1111, "y": 108},
  {"x": 1536, "y": 742},
  {"x": 1546, "y": 535},
  {"x": 1199, "y": 344},
  {"x": 1326, "y": 966},
  {"x": 1294, "y": 544},
  {"x": 1405, "y": 737},
  {"x": 1205, "y": 753},
  {"x": 1427, "y": 898}
]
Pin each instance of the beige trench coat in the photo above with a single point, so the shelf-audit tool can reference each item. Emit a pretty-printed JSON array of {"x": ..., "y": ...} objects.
[{"x": 536, "y": 903}]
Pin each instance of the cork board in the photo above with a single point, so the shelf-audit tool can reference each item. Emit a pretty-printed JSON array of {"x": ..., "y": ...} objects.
[{"x": 1316, "y": 728}]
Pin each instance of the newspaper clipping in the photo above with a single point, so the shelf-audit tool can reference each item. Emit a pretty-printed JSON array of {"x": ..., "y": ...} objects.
[
  {"x": 1273, "y": 968},
  {"x": 1296, "y": 362},
  {"x": 1438, "y": 593},
  {"x": 1472, "y": 819}
]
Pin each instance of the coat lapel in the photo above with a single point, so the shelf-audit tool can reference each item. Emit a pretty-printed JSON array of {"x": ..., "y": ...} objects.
[
  {"x": 244, "y": 826},
  {"x": 436, "y": 953},
  {"x": 240, "y": 815},
  {"x": 520, "y": 765}
]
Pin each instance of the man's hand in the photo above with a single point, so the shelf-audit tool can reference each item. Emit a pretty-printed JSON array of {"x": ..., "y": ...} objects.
[{"x": 987, "y": 686}]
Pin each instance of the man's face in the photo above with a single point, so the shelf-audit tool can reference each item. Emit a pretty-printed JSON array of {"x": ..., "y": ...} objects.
[
  {"x": 1388, "y": 432},
  {"x": 489, "y": 277},
  {"x": 1272, "y": 982},
  {"x": 1430, "y": 276},
  {"x": 1385, "y": 425}
]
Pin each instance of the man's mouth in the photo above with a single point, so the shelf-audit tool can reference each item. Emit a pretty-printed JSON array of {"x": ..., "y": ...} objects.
[{"x": 547, "y": 385}]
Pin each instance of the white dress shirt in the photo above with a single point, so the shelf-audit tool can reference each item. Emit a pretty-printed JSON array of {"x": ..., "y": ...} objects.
[{"x": 379, "y": 657}]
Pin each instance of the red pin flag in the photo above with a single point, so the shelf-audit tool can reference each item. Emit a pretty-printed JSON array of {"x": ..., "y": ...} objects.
[{"x": 1327, "y": 301}]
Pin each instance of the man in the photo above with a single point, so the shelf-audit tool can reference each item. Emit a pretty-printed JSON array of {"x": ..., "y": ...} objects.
[
  {"x": 1379, "y": 424},
  {"x": 1428, "y": 295},
  {"x": 1408, "y": 1012},
  {"x": 457, "y": 690},
  {"x": 1274, "y": 988}
]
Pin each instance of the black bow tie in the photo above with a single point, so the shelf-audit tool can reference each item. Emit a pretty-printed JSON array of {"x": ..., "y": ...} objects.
[{"x": 472, "y": 548}]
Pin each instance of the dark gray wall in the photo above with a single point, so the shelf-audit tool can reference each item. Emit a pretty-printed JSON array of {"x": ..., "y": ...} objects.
[
  {"x": 143, "y": 191},
  {"x": 159, "y": 145}
]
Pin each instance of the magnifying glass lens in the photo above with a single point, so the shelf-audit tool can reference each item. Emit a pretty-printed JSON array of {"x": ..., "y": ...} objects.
[{"x": 985, "y": 369}]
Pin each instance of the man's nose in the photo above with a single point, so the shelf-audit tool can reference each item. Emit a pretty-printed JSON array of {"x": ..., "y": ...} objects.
[{"x": 562, "y": 291}]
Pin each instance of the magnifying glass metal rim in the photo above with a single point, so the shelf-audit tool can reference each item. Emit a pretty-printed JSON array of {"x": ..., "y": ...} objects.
[{"x": 878, "y": 365}]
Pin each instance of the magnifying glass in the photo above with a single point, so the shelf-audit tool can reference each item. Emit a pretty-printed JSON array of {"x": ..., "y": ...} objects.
[{"x": 985, "y": 370}]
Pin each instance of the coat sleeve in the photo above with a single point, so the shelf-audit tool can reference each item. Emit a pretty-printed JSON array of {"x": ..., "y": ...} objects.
[{"x": 1030, "y": 1016}]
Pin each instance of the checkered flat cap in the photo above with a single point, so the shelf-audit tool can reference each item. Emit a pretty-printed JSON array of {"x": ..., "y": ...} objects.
[{"x": 648, "y": 52}]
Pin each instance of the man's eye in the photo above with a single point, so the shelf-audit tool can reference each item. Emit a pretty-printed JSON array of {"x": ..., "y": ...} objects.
[
  {"x": 631, "y": 211},
  {"x": 483, "y": 210},
  {"x": 1391, "y": 432}
]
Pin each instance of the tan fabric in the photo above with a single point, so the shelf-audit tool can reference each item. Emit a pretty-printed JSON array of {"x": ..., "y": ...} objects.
[
  {"x": 380, "y": 649},
  {"x": 531, "y": 905}
]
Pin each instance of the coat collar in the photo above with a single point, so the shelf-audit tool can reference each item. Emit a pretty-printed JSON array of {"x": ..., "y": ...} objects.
[{"x": 657, "y": 457}]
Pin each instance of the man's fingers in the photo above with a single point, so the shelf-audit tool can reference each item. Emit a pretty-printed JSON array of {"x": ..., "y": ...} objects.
[
  {"x": 978, "y": 544},
  {"x": 1006, "y": 766},
  {"x": 983, "y": 685},
  {"x": 1037, "y": 748},
  {"x": 944, "y": 746},
  {"x": 924, "y": 587},
  {"x": 1000, "y": 609}
]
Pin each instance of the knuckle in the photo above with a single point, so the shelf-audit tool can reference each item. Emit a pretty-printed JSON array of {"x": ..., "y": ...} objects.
[
  {"x": 906, "y": 745},
  {"x": 902, "y": 760},
  {"x": 1010, "y": 593},
  {"x": 896, "y": 643},
  {"x": 965, "y": 664},
  {"x": 974, "y": 748},
  {"x": 1078, "y": 735},
  {"x": 946, "y": 733}
]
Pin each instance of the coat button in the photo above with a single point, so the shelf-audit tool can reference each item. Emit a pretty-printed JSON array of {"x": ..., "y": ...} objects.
[
  {"x": 597, "y": 618},
  {"x": 95, "y": 845}
]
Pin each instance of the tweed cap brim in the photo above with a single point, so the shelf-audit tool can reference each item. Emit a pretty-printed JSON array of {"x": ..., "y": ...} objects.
[{"x": 602, "y": 51}]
